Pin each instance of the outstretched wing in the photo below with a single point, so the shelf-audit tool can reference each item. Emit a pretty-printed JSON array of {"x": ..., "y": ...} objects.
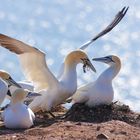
[
  {"x": 115, "y": 21},
  {"x": 32, "y": 60}
]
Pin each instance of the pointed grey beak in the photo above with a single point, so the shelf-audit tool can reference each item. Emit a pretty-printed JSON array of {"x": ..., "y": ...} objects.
[
  {"x": 32, "y": 94},
  {"x": 11, "y": 82},
  {"x": 103, "y": 59},
  {"x": 89, "y": 64}
]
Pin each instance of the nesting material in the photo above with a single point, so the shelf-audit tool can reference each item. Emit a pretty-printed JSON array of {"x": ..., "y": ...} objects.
[{"x": 103, "y": 113}]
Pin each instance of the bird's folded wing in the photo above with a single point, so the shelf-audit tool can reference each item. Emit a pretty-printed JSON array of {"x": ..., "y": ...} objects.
[
  {"x": 32, "y": 60},
  {"x": 79, "y": 97}
]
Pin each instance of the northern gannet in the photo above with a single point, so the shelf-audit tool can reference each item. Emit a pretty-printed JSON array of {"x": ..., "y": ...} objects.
[
  {"x": 12, "y": 84},
  {"x": 8, "y": 83},
  {"x": 37, "y": 71},
  {"x": 8, "y": 79},
  {"x": 17, "y": 114},
  {"x": 58, "y": 91},
  {"x": 101, "y": 90}
]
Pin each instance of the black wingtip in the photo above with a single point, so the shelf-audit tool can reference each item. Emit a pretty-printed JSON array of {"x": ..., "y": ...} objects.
[
  {"x": 123, "y": 9},
  {"x": 126, "y": 10}
]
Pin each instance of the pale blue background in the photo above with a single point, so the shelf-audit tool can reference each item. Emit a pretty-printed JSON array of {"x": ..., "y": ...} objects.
[{"x": 59, "y": 26}]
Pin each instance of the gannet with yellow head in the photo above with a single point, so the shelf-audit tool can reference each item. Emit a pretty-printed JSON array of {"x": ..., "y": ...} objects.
[
  {"x": 8, "y": 79},
  {"x": 12, "y": 84},
  {"x": 17, "y": 114},
  {"x": 58, "y": 92},
  {"x": 36, "y": 70},
  {"x": 6, "y": 83},
  {"x": 100, "y": 91}
]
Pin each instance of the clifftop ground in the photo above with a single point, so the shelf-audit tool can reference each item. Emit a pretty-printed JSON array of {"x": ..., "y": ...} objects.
[{"x": 114, "y": 122}]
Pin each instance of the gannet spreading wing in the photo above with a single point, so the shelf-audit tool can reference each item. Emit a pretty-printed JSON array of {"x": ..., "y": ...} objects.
[
  {"x": 115, "y": 21},
  {"x": 32, "y": 60}
]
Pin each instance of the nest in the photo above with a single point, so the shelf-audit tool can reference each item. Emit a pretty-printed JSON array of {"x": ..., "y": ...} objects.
[{"x": 103, "y": 113}]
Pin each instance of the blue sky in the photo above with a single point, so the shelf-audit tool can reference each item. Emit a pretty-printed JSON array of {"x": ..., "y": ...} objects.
[{"x": 59, "y": 26}]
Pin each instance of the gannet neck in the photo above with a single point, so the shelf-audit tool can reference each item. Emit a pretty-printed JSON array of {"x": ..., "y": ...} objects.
[
  {"x": 69, "y": 77},
  {"x": 109, "y": 74}
]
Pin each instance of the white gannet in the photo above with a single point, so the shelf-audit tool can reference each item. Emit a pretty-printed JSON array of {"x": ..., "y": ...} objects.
[
  {"x": 37, "y": 71},
  {"x": 8, "y": 79},
  {"x": 59, "y": 91},
  {"x": 12, "y": 85},
  {"x": 101, "y": 90},
  {"x": 17, "y": 114},
  {"x": 9, "y": 82},
  {"x": 3, "y": 90}
]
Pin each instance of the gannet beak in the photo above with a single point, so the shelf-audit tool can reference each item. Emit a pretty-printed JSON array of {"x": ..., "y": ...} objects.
[
  {"x": 106, "y": 59},
  {"x": 32, "y": 94},
  {"x": 11, "y": 82},
  {"x": 87, "y": 63}
]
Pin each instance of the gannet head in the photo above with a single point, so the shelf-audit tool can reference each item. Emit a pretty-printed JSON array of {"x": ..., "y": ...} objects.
[
  {"x": 20, "y": 94},
  {"x": 110, "y": 60},
  {"x": 8, "y": 79},
  {"x": 80, "y": 56}
]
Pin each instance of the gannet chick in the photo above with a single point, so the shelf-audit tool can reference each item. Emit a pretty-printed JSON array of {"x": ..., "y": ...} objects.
[
  {"x": 17, "y": 114},
  {"x": 100, "y": 91},
  {"x": 3, "y": 90},
  {"x": 36, "y": 70}
]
